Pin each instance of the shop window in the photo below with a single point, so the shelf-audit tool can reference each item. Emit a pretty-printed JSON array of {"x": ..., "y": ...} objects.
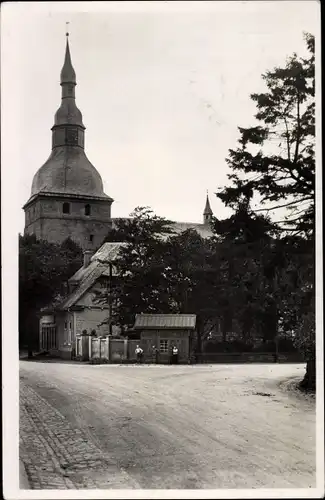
[
  {"x": 66, "y": 208},
  {"x": 163, "y": 346},
  {"x": 87, "y": 209}
]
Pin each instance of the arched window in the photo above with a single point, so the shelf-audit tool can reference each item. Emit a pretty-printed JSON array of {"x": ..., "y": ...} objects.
[
  {"x": 66, "y": 208},
  {"x": 87, "y": 209}
]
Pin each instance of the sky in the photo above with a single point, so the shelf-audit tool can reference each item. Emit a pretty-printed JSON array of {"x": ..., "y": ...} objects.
[{"x": 162, "y": 87}]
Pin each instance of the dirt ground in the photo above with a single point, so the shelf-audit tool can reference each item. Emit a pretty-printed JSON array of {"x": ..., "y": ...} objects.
[{"x": 204, "y": 426}]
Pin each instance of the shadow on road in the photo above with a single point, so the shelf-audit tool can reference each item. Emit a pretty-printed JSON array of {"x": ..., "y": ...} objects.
[{"x": 48, "y": 359}]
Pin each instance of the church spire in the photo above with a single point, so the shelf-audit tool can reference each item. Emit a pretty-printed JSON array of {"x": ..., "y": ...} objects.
[
  {"x": 68, "y": 129},
  {"x": 68, "y": 74},
  {"x": 207, "y": 214}
]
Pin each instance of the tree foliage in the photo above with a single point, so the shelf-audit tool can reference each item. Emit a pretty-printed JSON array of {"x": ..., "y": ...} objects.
[
  {"x": 140, "y": 265},
  {"x": 274, "y": 164},
  {"x": 44, "y": 268},
  {"x": 275, "y": 159}
]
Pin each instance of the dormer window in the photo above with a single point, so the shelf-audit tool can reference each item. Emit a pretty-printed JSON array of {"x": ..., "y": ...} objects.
[
  {"x": 66, "y": 208},
  {"x": 87, "y": 209}
]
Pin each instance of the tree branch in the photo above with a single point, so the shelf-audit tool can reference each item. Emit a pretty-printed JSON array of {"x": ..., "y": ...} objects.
[
  {"x": 288, "y": 138},
  {"x": 282, "y": 206},
  {"x": 298, "y": 128}
]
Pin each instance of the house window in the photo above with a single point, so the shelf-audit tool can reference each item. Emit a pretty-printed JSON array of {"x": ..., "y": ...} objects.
[
  {"x": 163, "y": 346},
  {"x": 66, "y": 208},
  {"x": 91, "y": 237},
  {"x": 87, "y": 209}
]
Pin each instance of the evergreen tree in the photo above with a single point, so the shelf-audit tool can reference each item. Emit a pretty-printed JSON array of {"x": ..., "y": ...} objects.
[
  {"x": 274, "y": 165},
  {"x": 275, "y": 159}
]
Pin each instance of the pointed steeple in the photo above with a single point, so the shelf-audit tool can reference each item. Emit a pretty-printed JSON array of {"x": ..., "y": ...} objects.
[
  {"x": 207, "y": 214},
  {"x": 68, "y": 126},
  {"x": 68, "y": 74}
]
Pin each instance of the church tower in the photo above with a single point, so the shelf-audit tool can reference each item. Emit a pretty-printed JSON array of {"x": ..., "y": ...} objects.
[
  {"x": 67, "y": 197},
  {"x": 207, "y": 214}
]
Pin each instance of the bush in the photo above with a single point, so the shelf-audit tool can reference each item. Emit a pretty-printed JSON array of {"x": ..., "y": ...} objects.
[
  {"x": 265, "y": 347},
  {"x": 233, "y": 346},
  {"x": 284, "y": 345}
]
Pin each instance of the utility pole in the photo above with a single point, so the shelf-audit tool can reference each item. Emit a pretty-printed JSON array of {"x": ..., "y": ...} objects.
[{"x": 110, "y": 308}]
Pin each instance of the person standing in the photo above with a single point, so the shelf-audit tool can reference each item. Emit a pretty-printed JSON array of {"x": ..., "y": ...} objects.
[
  {"x": 139, "y": 353},
  {"x": 175, "y": 355},
  {"x": 155, "y": 353},
  {"x": 171, "y": 355}
]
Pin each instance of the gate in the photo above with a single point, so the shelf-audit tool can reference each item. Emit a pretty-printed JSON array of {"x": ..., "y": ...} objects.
[{"x": 48, "y": 340}]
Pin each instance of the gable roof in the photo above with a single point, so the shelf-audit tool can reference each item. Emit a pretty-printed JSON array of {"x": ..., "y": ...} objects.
[
  {"x": 165, "y": 321},
  {"x": 86, "y": 277}
]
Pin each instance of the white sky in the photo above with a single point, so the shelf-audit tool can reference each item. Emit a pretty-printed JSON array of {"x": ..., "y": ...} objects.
[{"x": 146, "y": 74}]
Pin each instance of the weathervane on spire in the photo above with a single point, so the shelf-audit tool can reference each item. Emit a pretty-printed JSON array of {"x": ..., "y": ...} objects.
[{"x": 67, "y": 32}]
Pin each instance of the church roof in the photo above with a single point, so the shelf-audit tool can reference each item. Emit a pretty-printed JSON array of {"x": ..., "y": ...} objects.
[
  {"x": 68, "y": 170},
  {"x": 68, "y": 74},
  {"x": 203, "y": 230},
  {"x": 178, "y": 227}
]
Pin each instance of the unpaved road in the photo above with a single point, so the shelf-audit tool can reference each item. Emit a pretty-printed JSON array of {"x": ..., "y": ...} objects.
[{"x": 206, "y": 426}]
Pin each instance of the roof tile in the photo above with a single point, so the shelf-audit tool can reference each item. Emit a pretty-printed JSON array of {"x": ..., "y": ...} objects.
[{"x": 164, "y": 321}]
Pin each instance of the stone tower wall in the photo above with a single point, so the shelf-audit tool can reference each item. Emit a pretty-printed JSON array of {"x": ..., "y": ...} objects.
[{"x": 45, "y": 219}]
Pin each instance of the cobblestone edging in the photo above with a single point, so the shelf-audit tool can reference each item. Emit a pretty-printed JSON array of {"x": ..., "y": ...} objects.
[
  {"x": 57, "y": 455},
  {"x": 23, "y": 479}
]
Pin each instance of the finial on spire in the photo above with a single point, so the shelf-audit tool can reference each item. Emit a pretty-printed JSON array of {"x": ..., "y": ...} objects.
[
  {"x": 67, "y": 29},
  {"x": 68, "y": 74}
]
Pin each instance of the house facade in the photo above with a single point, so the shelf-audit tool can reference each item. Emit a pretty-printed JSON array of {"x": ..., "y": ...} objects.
[{"x": 81, "y": 310}]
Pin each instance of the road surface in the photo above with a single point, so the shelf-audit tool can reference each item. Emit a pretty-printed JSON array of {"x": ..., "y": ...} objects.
[{"x": 204, "y": 426}]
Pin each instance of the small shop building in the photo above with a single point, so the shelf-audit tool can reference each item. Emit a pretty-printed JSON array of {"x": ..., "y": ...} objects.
[{"x": 163, "y": 331}]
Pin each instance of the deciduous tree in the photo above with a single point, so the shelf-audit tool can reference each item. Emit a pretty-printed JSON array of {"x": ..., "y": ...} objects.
[{"x": 44, "y": 268}]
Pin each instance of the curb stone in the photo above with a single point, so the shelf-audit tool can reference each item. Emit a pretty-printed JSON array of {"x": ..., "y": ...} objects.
[{"x": 23, "y": 479}]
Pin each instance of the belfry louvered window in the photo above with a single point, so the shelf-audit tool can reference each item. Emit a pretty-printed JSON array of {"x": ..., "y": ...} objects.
[{"x": 71, "y": 136}]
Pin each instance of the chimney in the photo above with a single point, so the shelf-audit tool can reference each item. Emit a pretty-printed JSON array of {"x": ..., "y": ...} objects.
[{"x": 87, "y": 256}]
